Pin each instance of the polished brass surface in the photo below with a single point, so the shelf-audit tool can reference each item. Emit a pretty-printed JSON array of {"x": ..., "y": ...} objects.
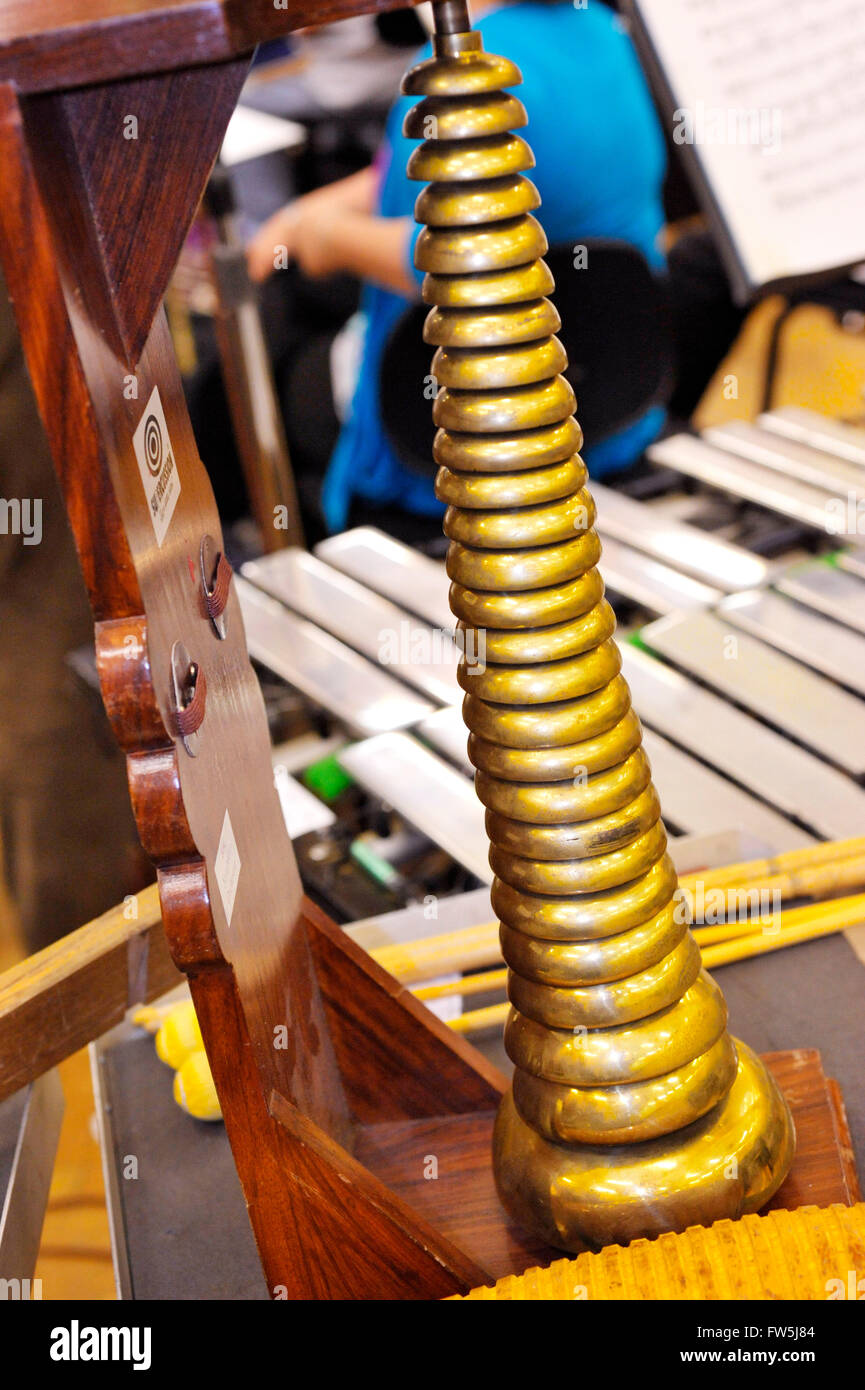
[{"x": 633, "y": 1111}]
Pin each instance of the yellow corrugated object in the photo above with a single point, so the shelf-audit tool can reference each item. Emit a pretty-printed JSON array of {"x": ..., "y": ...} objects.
[{"x": 811, "y": 1253}]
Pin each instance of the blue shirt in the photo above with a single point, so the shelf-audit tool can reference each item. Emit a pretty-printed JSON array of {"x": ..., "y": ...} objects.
[{"x": 599, "y": 169}]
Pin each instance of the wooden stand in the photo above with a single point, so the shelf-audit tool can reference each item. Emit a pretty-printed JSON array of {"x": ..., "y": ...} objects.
[{"x": 342, "y": 1095}]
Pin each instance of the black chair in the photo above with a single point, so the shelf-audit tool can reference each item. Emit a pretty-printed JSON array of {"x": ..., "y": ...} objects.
[{"x": 616, "y": 330}]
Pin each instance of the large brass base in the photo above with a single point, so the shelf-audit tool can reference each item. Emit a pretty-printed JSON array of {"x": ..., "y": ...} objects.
[{"x": 581, "y": 1196}]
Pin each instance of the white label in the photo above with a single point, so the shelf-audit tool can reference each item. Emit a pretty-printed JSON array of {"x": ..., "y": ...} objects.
[
  {"x": 227, "y": 867},
  {"x": 157, "y": 466}
]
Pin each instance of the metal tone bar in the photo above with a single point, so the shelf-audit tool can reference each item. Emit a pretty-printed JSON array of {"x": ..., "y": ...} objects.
[
  {"x": 831, "y": 591},
  {"x": 789, "y": 778},
  {"x": 419, "y": 654},
  {"x": 811, "y": 638},
  {"x": 301, "y": 810},
  {"x": 434, "y": 797},
  {"x": 700, "y": 802},
  {"x": 447, "y": 734},
  {"x": 853, "y": 561},
  {"x": 677, "y": 544},
  {"x": 299, "y": 753},
  {"x": 651, "y": 584},
  {"x": 412, "y": 580},
  {"x": 818, "y": 431},
  {"x": 789, "y": 696},
  {"x": 26, "y": 1195},
  {"x": 731, "y": 474},
  {"x": 694, "y": 798},
  {"x": 788, "y": 457},
  {"x": 364, "y": 698}
]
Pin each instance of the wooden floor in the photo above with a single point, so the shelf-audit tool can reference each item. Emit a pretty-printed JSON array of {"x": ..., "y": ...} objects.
[
  {"x": 75, "y": 1255},
  {"x": 822, "y": 367}
]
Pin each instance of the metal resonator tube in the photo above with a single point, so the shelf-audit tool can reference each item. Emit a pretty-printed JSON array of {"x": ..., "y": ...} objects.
[{"x": 632, "y": 1110}]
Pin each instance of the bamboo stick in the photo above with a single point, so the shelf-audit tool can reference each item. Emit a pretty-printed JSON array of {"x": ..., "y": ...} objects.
[
  {"x": 469, "y": 984},
  {"x": 466, "y": 949},
  {"x": 725, "y": 953},
  {"x": 481, "y": 1020},
  {"x": 816, "y": 871},
  {"x": 798, "y": 925},
  {"x": 793, "y": 872},
  {"x": 843, "y": 912}
]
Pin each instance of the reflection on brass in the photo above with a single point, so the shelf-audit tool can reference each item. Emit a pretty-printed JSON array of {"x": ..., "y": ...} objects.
[{"x": 633, "y": 1111}]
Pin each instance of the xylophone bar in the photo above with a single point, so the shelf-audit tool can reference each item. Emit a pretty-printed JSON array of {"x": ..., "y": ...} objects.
[
  {"x": 362, "y": 696},
  {"x": 651, "y": 584},
  {"x": 787, "y": 695},
  {"x": 420, "y": 655},
  {"x": 818, "y": 431},
  {"x": 789, "y": 457},
  {"x": 392, "y": 569},
  {"x": 837, "y": 593},
  {"x": 696, "y": 800},
  {"x": 751, "y": 481},
  {"x": 705, "y": 557},
  {"x": 815, "y": 640},
  {"x": 427, "y": 792},
  {"x": 789, "y": 778}
]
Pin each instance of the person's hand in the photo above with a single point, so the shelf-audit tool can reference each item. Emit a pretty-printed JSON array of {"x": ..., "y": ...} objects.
[
  {"x": 315, "y": 241},
  {"x": 272, "y": 246},
  {"x": 300, "y": 232}
]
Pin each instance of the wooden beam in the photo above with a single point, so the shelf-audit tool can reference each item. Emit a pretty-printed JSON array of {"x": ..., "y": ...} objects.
[
  {"x": 60, "y": 999},
  {"x": 72, "y": 43}
]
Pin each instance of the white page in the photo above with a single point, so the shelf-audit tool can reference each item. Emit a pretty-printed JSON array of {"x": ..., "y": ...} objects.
[{"x": 790, "y": 76}]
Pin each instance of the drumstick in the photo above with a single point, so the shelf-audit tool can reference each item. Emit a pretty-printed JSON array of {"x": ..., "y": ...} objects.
[{"x": 795, "y": 873}]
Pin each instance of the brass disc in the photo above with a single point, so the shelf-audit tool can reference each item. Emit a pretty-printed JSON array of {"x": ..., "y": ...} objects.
[
  {"x": 565, "y": 803},
  {"x": 502, "y": 327},
  {"x": 526, "y": 489},
  {"x": 587, "y": 918},
  {"x": 553, "y": 643},
  {"x": 486, "y": 200},
  {"x": 518, "y": 407},
  {"x": 611, "y": 1004},
  {"x": 572, "y": 963},
  {"x": 560, "y": 763},
  {"x": 531, "y": 526},
  {"x": 627, "y": 1114},
  {"x": 589, "y": 875},
  {"x": 624, "y": 1053},
  {"x": 494, "y": 287},
  {"x": 571, "y": 721},
  {"x": 497, "y": 453},
  {"x": 451, "y": 118}
]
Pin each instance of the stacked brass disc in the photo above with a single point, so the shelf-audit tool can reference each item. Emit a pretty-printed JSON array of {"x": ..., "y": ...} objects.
[{"x": 632, "y": 1109}]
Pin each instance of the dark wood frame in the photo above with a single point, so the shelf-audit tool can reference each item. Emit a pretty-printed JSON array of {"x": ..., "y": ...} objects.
[
  {"x": 360, "y": 1124},
  {"x": 312, "y": 1046}
]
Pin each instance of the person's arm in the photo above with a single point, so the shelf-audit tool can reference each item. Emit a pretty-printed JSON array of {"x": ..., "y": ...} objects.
[
  {"x": 369, "y": 247},
  {"x": 355, "y": 194}
]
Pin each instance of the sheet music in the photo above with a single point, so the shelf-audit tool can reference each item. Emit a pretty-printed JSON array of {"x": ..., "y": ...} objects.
[{"x": 771, "y": 93}]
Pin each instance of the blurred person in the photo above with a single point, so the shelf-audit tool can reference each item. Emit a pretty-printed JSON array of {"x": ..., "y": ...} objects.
[{"x": 600, "y": 165}]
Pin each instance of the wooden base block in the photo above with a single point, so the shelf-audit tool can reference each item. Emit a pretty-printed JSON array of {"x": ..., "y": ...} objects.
[{"x": 461, "y": 1202}]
